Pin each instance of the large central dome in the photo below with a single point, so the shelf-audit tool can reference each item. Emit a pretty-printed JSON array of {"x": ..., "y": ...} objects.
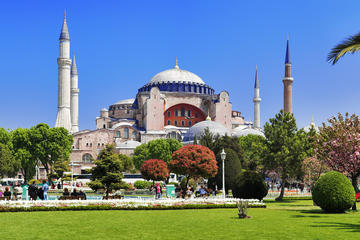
[{"x": 176, "y": 75}]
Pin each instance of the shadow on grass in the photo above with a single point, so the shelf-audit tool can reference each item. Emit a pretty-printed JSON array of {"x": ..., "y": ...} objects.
[
  {"x": 309, "y": 216},
  {"x": 339, "y": 225}
]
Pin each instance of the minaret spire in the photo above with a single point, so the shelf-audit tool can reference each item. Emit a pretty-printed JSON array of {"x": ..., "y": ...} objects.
[
  {"x": 176, "y": 64},
  {"x": 63, "y": 118},
  {"x": 257, "y": 101},
  {"x": 74, "y": 104},
  {"x": 288, "y": 80}
]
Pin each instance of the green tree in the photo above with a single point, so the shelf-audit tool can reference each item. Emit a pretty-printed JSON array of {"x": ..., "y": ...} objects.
[
  {"x": 254, "y": 150},
  {"x": 350, "y": 45},
  {"x": 5, "y": 137},
  {"x": 127, "y": 162},
  {"x": 22, "y": 149},
  {"x": 155, "y": 149},
  {"x": 51, "y": 146},
  {"x": 287, "y": 147},
  {"x": 107, "y": 173},
  {"x": 9, "y": 166}
]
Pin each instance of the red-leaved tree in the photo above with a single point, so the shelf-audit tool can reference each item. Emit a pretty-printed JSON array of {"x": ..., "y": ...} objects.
[
  {"x": 194, "y": 161},
  {"x": 339, "y": 146},
  {"x": 154, "y": 169}
]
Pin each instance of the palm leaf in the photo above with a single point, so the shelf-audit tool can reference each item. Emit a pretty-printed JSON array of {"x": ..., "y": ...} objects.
[{"x": 350, "y": 45}]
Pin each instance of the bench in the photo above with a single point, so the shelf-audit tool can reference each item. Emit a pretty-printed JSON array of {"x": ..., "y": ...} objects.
[
  {"x": 72, "y": 198},
  {"x": 113, "y": 197}
]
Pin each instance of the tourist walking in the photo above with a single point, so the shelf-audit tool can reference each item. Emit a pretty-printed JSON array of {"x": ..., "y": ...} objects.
[
  {"x": 158, "y": 191},
  {"x": 45, "y": 188},
  {"x": 33, "y": 191},
  {"x": 7, "y": 193}
]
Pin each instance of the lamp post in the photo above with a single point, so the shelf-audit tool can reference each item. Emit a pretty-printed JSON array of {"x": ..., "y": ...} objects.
[
  {"x": 72, "y": 173},
  {"x": 223, "y": 156}
]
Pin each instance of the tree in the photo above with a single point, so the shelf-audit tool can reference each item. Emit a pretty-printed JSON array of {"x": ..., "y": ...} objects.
[
  {"x": 313, "y": 168},
  {"x": 9, "y": 166},
  {"x": 194, "y": 161},
  {"x": 127, "y": 162},
  {"x": 254, "y": 151},
  {"x": 107, "y": 173},
  {"x": 22, "y": 149},
  {"x": 155, "y": 149},
  {"x": 232, "y": 169},
  {"x": 154, "y": 169},
  {"x": 50, "y": 146},
  {"x": 350, "y": 45},
  {"x": 286, "y": 147},
  {"x": 339, "y": 146}
]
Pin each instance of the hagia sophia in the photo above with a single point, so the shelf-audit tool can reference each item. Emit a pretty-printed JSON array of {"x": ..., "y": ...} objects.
[{"x": 175, "y": 103}]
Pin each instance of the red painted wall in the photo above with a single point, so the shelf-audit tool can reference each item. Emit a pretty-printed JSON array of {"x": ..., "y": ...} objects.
[{"x": 182, "y": 119}]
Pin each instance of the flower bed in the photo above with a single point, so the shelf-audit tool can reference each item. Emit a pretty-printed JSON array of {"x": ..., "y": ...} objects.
[{"x": 124, "y": 204}]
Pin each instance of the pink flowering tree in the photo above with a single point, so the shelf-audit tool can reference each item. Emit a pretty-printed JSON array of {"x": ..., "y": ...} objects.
[
  {"x": 154, "y": 169},
  {"x": 339, "y": 146},
  {"x": 194, "y": 161},
  {"x": 313, "y": 168}
]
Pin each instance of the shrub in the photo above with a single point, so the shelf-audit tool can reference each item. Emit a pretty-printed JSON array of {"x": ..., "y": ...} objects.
[
  {"x": 333, "y": 192},
  {"x": 249, "y": 185},
  {"x": 154, "y": 169},
  {"x": 142, "y": 184}
]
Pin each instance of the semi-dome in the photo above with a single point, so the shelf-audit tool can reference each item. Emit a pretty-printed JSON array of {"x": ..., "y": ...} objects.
[
  {"x": 176, "y": 75},
  {"x": 199, "y": 128},
  {"x": 247, "y": 131}
]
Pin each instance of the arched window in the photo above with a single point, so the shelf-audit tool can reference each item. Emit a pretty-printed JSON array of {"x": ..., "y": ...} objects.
[
  {"x": 87, "y": 158},
  {"x": 169, "y": 114},
  {"x": 126, "y": 133},
  {"x": 182, "y": 111},
  {"x": 168, "y": 122},
  {"x": 175, "y": 123},
  {"x": 134, "y": 135},
  {"x": 118, "y": 134},
  {"x": 104, "y": 126}
]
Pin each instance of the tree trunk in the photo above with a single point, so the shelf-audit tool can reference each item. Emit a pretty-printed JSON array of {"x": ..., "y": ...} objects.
[
  {"x": 280, "y": 197},
  {"x": 354, "y": 183}
]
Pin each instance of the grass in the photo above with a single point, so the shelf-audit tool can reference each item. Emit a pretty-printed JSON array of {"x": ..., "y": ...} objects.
[{"x": 286, "y": 220}]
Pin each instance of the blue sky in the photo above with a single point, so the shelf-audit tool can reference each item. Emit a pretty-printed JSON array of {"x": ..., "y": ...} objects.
[{"x": 120, "y": 45}]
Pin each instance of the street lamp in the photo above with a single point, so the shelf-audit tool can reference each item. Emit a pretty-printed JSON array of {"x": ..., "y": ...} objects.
[
  {"x": 223, "y": 156},
  {"x": 72, "y": 173}
]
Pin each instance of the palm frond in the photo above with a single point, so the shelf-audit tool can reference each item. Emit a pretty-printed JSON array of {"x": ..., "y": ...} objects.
[{"x": 350, "y": 45}]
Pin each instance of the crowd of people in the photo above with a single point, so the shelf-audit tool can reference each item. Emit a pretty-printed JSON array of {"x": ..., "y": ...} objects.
[{"x": 74, "y": 193}]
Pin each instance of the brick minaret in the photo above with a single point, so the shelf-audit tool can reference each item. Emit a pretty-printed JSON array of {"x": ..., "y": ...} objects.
[{"x": 288, "y": 81}]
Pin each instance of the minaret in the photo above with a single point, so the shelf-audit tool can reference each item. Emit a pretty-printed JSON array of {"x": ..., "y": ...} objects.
[
  {"x": 256, "y": 101},
  {"x": 63, "y": 118},
  {"x": 288, "y": 81},
  {"x": 74, "y": 103}
]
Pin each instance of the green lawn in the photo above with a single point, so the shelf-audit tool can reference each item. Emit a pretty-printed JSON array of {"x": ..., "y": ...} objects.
[{"x": 287, "y": 220}]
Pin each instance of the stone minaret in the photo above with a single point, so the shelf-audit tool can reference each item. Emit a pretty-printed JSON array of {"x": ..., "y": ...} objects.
[
  {"x": 288, "y": 81},
  {"x": 257, "y": 101},
  {"x": 63, "y": 118},
  {"x": 74, "y": 104}
]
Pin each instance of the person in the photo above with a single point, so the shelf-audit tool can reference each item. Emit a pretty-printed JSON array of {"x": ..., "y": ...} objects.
[
  {"x": 82, "y": 194},
  {"x": 18, "y": 191},
  {"x": 202, "y": 192},
  {"x": 158, "y": 191},
  {"x": 40, "y": 193},
  {"x": 74, "y": 193},
  {"x": 45, "y": 188},
  {"x": 7, "y": 193},
  {"x": 66, "y": 192},
  {"x": 177, "y": 191},
  {"x": 33, "y": 191},
  {"x": 188, "y": 192},
  {"x": 59, "y": 185},
  {"x": 1, "y": 192}
]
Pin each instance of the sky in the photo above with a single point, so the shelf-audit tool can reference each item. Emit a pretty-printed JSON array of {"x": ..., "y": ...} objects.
[{"x": 121, "y": 45}]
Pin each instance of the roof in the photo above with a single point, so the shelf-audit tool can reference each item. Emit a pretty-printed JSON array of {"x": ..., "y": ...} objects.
[
  {"x": 198, "y": 129},
  {"x": 64, "y": 35},
  {"x": 176, "y": 75},
  {"x": 125, "y": 101},
  {"x": 130, "y": 144},
  {"x": 287, "y": 56},
  {"x": 74, "y": 70},
  {"x": 237, "y": 132}
]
